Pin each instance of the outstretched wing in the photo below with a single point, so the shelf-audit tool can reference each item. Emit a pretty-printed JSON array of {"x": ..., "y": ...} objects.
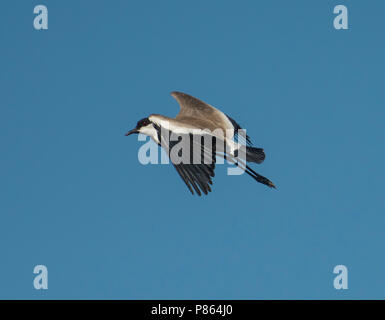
[
  {"x": 193, "y": 160},
  {"x": 191, "y": 107}
]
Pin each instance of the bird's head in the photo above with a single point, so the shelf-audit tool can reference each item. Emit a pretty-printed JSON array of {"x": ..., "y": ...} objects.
[{"x": 143, "y": 126}]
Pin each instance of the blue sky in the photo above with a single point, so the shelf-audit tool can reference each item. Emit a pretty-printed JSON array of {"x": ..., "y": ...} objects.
[{"x": 75, "y": 198}]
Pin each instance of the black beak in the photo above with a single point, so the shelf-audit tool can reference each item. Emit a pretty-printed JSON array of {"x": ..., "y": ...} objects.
[{"x": 132, "y": 131}]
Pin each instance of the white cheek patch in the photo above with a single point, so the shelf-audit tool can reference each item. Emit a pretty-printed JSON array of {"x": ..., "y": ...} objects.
[{"x": 150, "y": 131}]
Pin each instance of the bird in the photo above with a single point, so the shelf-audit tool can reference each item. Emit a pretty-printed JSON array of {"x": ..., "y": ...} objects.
[{"x": 196, "y": 121}]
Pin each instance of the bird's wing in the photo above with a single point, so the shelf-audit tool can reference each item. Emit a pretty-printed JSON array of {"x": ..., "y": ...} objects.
[
  {"x": 194, "y": 158},
  {"x": 191, "y": 107},
  {"x": 196, "y": 170}
]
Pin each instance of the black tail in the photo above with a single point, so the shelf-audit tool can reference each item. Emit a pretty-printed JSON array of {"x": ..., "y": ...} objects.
[{"x": 255, "y": 155}]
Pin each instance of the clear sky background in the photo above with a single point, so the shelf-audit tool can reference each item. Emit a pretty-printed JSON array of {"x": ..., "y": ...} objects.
[{"x": 75, "y": 198}]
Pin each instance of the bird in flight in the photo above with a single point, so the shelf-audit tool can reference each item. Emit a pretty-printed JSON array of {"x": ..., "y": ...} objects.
[{"x": 193, "y": 160}]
